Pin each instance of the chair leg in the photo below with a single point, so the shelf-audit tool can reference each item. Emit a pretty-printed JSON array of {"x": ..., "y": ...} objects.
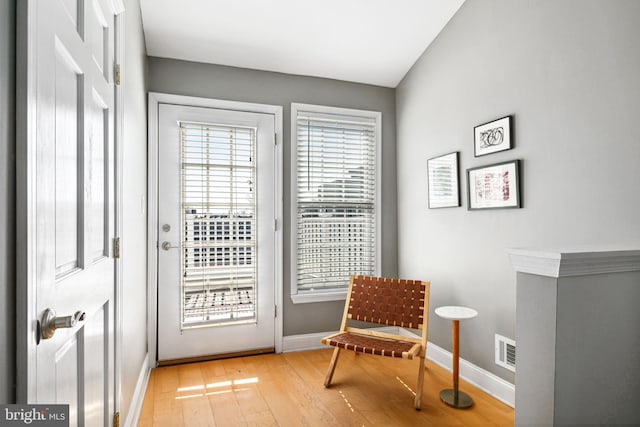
[
  {"x": 421, "y": 367},
  {"x": 332, "y": 367}
]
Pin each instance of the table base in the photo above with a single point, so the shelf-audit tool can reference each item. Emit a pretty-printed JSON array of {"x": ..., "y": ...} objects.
[{"x": 463, "y": 400}]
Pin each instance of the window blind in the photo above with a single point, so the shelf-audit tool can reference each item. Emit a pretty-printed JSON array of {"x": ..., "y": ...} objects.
[
  {"x": 218, "y": 223},
  {"x": 336, "y": 199}
]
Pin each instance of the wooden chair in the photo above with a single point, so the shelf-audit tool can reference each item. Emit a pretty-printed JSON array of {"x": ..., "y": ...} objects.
[{"x": 386, "y": 302}]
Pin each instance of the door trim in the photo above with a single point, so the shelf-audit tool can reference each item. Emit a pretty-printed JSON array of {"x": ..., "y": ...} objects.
[
  {"x": 25, "y": 200},
  {"x": 155, "y": 99},
  {"x": 118, "y": 138}
]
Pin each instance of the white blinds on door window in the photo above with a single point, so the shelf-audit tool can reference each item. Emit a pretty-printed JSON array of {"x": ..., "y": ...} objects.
[
  {"x": 336, "y": 196},
  {"x": 218, "y": 224}
]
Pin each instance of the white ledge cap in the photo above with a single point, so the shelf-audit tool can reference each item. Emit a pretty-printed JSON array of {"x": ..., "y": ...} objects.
[{"x": 577, "y": 261}]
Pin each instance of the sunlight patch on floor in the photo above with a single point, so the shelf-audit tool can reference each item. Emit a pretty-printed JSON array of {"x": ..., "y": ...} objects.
[
  {"x": 214, "y": 388},
  {"x": 406, "y": 386},
  {"x": 346, "y": 400},
  {"x": 195, "y": 387}
]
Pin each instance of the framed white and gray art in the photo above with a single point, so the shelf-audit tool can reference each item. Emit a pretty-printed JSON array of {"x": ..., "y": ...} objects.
[
  {"x": 494, "y": 186},
  {"x": 443, "y": 183},
  {"x": 492, "y": 137}
]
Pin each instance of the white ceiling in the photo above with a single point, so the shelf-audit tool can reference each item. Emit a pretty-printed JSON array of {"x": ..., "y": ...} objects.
[{"x": 366, "y": 41}]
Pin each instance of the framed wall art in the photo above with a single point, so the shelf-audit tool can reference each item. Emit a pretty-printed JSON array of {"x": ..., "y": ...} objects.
[
  {"x": 494, "y": 186},
  {"x": 492, "y": 137},
  {"x": 443, "y": 183}
]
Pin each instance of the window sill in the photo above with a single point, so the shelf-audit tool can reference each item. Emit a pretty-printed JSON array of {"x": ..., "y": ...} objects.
[{"x": 310, "y": 297}]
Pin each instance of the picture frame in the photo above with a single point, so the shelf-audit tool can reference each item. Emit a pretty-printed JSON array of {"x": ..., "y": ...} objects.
[
  {"x": 495, "y": 186},
  {"x": 443, "y": 181},
  {"x": 492, "y": 137}
]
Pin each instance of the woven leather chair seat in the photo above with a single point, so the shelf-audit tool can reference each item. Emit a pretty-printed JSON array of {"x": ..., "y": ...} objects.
[
  {"x": 371, "y": 345},
  {"x": 388, "y": 303}
]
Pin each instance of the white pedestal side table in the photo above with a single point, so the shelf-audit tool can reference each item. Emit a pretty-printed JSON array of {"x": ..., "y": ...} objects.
[{"x": 454, "y": 397}]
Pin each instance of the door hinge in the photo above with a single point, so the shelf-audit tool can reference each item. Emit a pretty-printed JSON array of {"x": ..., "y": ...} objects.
[
  {"x": 116, "y": 247},
  {"x": 117, "y": 74},
  {"x": 275, "y": 224},
  {"x": 275, "y": 138},
  {"x": 116, "y": 419},
  {"x": 275, "y": 311}
]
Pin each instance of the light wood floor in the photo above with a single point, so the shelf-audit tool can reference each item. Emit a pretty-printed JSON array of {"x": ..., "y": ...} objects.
[{"x": 287, "y": 390}]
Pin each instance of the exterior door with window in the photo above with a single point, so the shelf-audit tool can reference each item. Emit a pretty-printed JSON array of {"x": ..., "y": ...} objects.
[
  {"x": 68, "y": 203},
  {"x": 216, "y": 237}
]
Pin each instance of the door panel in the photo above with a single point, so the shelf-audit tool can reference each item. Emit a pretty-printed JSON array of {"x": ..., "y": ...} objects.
[
  {"x": 95, "y": 346},
  {"x": 67, "y": 111},
  {"x": 71, "y": 7},
  {"x": 66, "y": 368},
  {"x": 99, "y": 114},
  {"x": 74, "y": 205},
  {"x": 216, "y": 212},
  {"x": 99, "y": 36}
]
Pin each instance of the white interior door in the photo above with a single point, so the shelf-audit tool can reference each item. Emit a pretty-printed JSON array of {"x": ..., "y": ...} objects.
[
  {"x": 73, "y": 207},
  {"x": 216, "y": 213}
]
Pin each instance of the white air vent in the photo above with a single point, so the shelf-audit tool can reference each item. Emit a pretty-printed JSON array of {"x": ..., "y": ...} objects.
[{"x": 505, "y": 353}]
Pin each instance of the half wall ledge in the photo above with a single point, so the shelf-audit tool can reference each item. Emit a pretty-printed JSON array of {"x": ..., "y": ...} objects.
[
  {"x": 577, "y": 334},
  {"x": 573, "y": 261}
]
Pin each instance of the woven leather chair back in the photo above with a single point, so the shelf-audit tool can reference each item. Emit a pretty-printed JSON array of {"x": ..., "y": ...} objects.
[{"x": 390, "y": 302}]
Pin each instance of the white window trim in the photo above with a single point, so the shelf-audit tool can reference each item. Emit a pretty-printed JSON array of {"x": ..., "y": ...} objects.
[{"x": 330, "y": 295}]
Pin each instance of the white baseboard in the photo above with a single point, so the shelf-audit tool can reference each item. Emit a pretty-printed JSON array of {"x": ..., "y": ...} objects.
[
  {"x": 490, "y": 383},
  {"x": 133, "y": 414}
]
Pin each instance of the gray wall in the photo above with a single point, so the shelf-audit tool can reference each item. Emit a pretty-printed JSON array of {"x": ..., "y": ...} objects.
[
  {"x": 578, "y": 349},
  {"x": 134, "y": 234},
  {"x": 568, "y": 71},
  {"x": 220, "y": 82},
  {"x": 597, "y": 367},
  {"x": 537, "y": 302},
  {"x": 7, "y": 201}
]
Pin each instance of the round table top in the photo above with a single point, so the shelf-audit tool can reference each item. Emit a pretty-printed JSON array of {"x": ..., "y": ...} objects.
[{"x": 455, "y": 312}]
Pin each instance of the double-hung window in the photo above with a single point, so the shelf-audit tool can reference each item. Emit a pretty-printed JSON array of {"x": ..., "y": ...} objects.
[{"x": 335, "y": 199}]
